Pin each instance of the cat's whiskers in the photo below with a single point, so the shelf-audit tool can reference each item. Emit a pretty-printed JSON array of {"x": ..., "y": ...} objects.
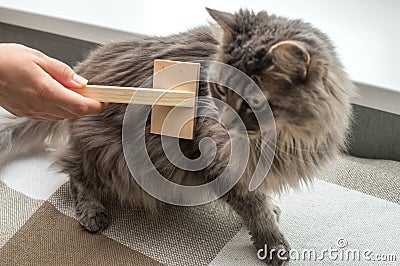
[
  {"x": 253, "y": 135},
  {"x": 292, "y": 147},
  {"x": 257, "y": 145}
]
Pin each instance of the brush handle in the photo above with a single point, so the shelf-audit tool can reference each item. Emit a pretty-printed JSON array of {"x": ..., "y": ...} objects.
[{"x": 133, "y": 95}]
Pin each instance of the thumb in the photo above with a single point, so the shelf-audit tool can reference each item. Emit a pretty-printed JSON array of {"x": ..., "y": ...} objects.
[{"x": 62, "y": 73}]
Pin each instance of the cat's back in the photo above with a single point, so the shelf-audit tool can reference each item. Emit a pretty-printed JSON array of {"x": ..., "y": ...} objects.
[
  {"x": 95, "y": 141},
  {"x": 129, "y": 63}
]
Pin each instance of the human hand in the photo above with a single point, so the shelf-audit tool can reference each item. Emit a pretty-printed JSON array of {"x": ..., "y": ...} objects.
[{"x": 39, "y": 87}]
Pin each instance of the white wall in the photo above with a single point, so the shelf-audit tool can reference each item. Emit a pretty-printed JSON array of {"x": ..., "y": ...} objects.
[{"x": 367, "y": 32}]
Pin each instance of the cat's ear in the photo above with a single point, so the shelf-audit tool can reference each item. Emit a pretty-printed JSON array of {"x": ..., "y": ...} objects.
[
  {"x": 224, "y": 19},
  {"x": 291, "y": 59}
]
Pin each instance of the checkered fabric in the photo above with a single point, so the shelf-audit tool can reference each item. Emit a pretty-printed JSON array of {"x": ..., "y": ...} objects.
[{"x": 354, "y": 200}]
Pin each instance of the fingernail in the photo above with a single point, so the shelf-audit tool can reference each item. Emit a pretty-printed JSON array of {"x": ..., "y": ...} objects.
[{"x": 80, "y": 80}]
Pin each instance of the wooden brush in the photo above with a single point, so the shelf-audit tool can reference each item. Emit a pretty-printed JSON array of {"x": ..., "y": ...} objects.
[
  {"x": 114, "y": 94},
  {"x": 175, "y": 87}
]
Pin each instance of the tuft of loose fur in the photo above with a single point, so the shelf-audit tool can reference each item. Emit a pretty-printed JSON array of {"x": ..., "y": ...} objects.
[
  {"x": 294, "y": 64},
  {"x": 21, "y": 136}
]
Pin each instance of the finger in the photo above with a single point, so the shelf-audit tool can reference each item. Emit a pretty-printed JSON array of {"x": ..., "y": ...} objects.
[
  {"x": 62, "y": 73},
  {"x": 75, "y": 103},
  {"x": 44, "y": 117},
  {"x": 55, "y": 111},
  {"x": 63, "y": 113},
  {"x": 14, "y": 112},
  {"x": 51, "y": 91}
]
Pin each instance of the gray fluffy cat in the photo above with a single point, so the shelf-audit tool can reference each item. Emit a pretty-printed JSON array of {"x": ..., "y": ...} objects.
[{"x": 293, "y": 63}]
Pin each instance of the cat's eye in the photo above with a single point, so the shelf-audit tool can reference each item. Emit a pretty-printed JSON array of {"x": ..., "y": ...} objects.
[{"x": 255, "y": 102}]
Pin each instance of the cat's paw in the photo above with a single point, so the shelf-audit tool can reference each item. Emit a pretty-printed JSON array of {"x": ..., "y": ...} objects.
[{"x": 94, "y": 220}]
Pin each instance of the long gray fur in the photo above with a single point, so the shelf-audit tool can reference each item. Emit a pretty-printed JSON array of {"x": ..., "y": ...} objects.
[{"x": 309, "y": 100}]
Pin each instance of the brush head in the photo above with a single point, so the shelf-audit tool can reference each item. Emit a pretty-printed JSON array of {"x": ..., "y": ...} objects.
[{"x": 175, "y": 121}]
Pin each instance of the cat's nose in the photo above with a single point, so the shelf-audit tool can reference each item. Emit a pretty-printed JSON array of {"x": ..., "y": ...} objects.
[{"x": 225, "y": 115}]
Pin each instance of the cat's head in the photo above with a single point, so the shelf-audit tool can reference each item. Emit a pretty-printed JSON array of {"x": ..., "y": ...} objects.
[{"x": 293, "y": 63}]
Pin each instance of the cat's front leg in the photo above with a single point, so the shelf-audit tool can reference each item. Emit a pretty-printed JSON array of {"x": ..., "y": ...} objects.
[
  {"x": 260, "y": 216},
  {"x": 90, "y": 212}
]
